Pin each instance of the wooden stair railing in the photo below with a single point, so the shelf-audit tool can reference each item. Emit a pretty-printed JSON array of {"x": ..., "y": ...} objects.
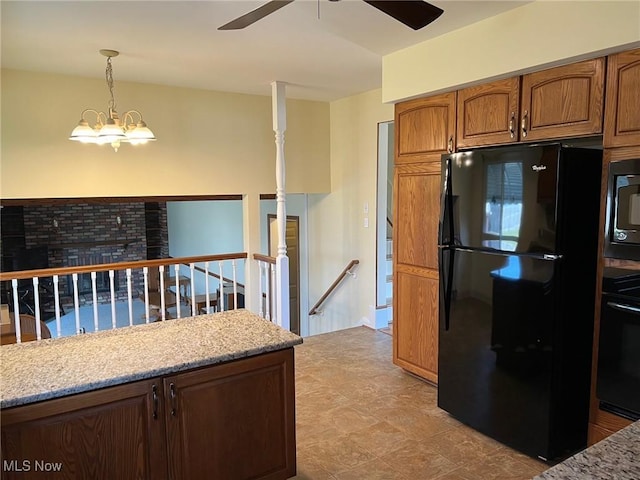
[
  {"x": 334, "y": 285},
  {"x": 15, "y": 293}
]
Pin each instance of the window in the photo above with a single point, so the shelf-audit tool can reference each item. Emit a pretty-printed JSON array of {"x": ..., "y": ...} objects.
[{"x": 503, "y": 205}]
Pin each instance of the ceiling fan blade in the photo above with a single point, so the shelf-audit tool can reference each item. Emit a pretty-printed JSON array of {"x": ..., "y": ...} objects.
[
  {"x": 255, "y": 15},
  {"x": 413, "y": 13}
]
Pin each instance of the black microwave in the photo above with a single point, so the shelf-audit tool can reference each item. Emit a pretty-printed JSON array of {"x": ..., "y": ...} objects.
[{"x": 623, "y": 210}]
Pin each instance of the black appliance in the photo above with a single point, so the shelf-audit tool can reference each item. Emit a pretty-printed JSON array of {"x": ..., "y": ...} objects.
[
  {"x": 622, "y": 238},
  {"x": 517, "y": 258},
  {"x": 618, "y": 378}
]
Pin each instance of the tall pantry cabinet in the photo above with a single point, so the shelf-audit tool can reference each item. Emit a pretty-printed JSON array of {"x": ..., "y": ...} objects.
[
  {"x": 425, "y": 129},
  {"x": 559, "y": 102}
]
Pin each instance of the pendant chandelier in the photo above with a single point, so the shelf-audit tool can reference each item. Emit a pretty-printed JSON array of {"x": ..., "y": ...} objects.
[{"x": 110, "y": 128}]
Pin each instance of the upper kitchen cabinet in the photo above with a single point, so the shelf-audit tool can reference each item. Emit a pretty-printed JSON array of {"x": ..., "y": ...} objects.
[
  {"x": 563, "y": 101},
  {"x": 488, "y": 114},
  {"x": 622, "y": 112},
  {"x": 558, "y": 102},
  {"x": 425, "y": 128}
]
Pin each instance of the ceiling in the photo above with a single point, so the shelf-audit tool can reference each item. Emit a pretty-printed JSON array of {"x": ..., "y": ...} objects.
[{"x": 323, "y": 50}]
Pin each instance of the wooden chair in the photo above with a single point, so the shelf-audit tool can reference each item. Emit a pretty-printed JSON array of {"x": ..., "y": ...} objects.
[{"x": 27, "y": 330}]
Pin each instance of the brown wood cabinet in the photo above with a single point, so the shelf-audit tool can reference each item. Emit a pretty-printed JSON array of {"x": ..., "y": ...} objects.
[
  {"x": 622, "y": 111},
  {"x": 563, "y": 101},
  {"x": 425, "y": 128},
  {"x": 103, "y": 434},
  {"x": 415, "y": 283},
  {"x": 559, "y": 102},
  {"x": 489, "y": 114},
  {"x": 232, "y": 420}
]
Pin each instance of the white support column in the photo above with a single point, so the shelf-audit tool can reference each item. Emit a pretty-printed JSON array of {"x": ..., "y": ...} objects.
[{"x": 282, "y": 261}]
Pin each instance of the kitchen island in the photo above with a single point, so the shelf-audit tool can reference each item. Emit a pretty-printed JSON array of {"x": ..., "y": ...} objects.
[
  {"x": 617, "y": 457},
  {"x": 210, "y": 396}
]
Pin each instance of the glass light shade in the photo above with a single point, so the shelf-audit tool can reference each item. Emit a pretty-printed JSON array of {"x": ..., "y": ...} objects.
[
  {"x": 140, "y": 134},
  {"x": 112, "y": 131},
  {"x": 84, "y": 133}
]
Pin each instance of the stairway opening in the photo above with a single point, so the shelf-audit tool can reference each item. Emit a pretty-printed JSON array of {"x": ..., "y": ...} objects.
[{"x": 384, "y": 222}]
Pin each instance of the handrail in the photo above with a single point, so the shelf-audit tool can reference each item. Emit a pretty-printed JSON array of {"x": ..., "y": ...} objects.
[
  {"x": 264, "y": 258},
  {"x": 214, "y": 275},
  {"x": 156, "y": 304},
  {"x": 345, "y": 272},
  {"x": 104, "y": 267}
]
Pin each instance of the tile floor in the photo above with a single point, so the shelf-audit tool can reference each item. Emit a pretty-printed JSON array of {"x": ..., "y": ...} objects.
[{"x": 360, "y": 417}]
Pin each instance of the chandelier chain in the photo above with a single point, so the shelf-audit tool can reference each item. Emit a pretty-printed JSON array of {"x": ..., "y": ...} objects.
[{"x": 109, "y": 75}]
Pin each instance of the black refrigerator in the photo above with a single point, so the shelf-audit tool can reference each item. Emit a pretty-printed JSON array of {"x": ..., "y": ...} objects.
[{"x": 518, "y": 246}]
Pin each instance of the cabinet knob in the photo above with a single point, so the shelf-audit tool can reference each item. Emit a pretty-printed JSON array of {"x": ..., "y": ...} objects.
[
  {"x": 450, "y": 144},
  {"x": 525, "y": 122}
]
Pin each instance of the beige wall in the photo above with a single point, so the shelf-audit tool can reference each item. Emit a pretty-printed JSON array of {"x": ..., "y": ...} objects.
[
  {"x": 531, "y": 37},
  {"x": 336, "y": 222},
  {"x": 208, "y": 142}
]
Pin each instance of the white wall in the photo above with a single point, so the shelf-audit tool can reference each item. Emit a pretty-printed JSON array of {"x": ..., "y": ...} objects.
[
  {"x": 336, "y": 222},
  {"x": 534, "y": 36}
]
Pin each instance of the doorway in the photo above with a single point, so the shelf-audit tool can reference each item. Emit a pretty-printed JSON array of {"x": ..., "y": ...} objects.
[
  {"x": 384, "y": 223},
  {"x": 292, "y": 239}
]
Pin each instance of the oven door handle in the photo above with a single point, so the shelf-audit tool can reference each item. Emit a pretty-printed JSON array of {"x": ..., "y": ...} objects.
[{"x": 623, "y": 307}]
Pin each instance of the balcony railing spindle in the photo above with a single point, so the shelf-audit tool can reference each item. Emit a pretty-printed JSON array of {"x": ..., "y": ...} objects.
[{"x": 94, "y": 293}]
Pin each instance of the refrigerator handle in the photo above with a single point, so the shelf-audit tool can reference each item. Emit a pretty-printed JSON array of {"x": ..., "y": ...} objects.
[
  {"x": 447, "y": 283},
  {"x": 446, "y": 208}
]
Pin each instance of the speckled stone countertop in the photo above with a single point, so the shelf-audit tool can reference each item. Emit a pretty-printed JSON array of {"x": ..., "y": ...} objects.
[
  {"x": 617, "y": 457},
  {"x": 35, "y": 371}
]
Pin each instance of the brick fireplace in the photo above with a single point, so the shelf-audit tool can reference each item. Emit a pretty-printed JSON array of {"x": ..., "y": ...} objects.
[
  {"x": 84, "y": 282},
  {"x": 88, "y": 234}
]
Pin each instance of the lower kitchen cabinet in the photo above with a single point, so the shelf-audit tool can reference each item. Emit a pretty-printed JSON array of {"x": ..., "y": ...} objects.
[
  {"x": 233, "y": 421},
  {"x": 415, "y": 268},
  {"x": 228, "y": 421},
  {"x": 115, "y": 432}
]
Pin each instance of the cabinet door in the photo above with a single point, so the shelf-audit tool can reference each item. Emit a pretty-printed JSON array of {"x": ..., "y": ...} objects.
[
  {"x": 563, "y": 101},
  {"x": 622, "y": 111},
  {"x": 103, "y": 435},
  {"x": 488, "y": 114},
  {"x": 425, "y": 128},
  {"x": 415, "y": 283},
  {"x": 233, "y": 421}
]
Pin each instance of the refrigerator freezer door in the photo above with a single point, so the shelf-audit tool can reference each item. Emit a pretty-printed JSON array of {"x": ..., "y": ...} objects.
[
  {"x": 504, "y": 198},
  {"x": 496, "y": 356}
]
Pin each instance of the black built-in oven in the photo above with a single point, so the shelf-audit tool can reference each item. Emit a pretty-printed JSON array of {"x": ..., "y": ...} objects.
[{"x": 618, "y": 378}]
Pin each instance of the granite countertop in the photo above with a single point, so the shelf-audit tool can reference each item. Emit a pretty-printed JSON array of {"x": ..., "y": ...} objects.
[
  {"x": 617, "y": 457},
  {"x": 35, "y": 371}
]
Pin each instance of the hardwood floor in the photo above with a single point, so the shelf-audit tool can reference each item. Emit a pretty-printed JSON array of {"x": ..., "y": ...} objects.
[{"x": 358, "y": 416}]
